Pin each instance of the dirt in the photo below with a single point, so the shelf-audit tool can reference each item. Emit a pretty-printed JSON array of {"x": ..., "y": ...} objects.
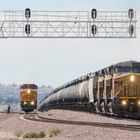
[{"x": 11, "y": 123}]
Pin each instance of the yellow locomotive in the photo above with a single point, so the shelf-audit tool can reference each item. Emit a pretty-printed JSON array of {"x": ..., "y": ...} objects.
[
  {"x": 28, "y": 97},
  {"x": 113, "y": 90}
]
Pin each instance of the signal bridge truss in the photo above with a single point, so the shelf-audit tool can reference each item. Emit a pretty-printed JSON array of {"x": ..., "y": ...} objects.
[{"x": 68, "y": 24}]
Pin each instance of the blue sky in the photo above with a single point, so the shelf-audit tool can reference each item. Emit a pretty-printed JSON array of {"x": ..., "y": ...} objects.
[
  {"x": 69, "y": 4},
  {"x": 56, "y": 61}
]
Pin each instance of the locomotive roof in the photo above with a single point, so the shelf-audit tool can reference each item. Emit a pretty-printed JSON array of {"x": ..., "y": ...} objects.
[
  {"x": 127, "y": 64},
  {"x": 28, "y": 86},
  {"x": 86, "y": 77}
]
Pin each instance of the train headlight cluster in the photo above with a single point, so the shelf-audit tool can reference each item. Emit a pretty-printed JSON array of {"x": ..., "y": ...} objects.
[
  {"x": 32, "y": 103},
  {"x": 124, "y": 102},
  {"x": 132, "y": 78}
]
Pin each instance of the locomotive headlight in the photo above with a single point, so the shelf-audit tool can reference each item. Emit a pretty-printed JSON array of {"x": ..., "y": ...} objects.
[
  {"x": 28, "y": 91},
  {"x": 139, "y": 102},
  {"x": 132, "y": 78},
  {"x": 124, "y": 102},
  {"x": 24, "y": 103},
  {"x": 32, "y": 103}
]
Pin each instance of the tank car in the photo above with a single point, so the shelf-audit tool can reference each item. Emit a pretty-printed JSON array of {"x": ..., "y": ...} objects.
[
  {"x": 113, "y": 90},
  {"x": 28, "y": 97}
]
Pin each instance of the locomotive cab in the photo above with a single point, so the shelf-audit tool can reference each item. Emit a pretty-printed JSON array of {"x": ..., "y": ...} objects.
[{"x": 127, "y": 92}]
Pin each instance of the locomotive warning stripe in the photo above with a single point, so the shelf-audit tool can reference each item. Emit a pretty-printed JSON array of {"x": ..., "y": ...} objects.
[{"x": 134, "y": 97}]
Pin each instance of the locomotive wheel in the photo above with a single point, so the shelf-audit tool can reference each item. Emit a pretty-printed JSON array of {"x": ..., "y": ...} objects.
[
  {"x": 92, "y": 108},
  {"x": 110, "y": 108},
  {"x": 103, "y": 108}
]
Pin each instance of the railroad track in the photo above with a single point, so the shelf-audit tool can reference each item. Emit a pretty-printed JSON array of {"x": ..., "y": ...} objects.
[
  {"x": 36, "y": 117},
  {"x": 119, "y": 118}
]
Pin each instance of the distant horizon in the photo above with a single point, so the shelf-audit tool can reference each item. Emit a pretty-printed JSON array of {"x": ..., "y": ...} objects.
[
  {"x": 12, "y": 84},
  {"x": 62, "y": 84}
]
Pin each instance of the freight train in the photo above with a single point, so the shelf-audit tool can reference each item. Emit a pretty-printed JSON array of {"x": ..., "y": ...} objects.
[
  {"x": 28, "y": 97},
  {"x": 113, "y": 90}
]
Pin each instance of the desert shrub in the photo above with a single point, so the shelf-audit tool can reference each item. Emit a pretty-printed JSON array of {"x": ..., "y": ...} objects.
[
  {"x": 26, "y": 135},
  {"x": 42, "y": 134},
  {"x": 34, "y": 135},
  {"x": 54, "y": 132},
  {"x": 18, "y": 133}
]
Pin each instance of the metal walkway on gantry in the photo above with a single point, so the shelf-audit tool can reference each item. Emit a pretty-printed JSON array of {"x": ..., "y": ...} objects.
[{"x": 68, "y": 24}]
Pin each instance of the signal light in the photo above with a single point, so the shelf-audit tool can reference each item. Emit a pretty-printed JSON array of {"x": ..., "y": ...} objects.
[
  {"x": 131, "y": 13},
  {"x": 94, "y": 13},
  {"x": 94, "y": 29},
  {"x": 27, "y": 28},
  {"x": 131, "y": 29},
  {"x": 27, "y": 13}
]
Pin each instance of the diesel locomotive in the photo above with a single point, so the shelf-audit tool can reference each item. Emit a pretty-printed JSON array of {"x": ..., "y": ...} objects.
[
  {"x": 28, "y": 97},
  {"x": 113, "y": 90}
]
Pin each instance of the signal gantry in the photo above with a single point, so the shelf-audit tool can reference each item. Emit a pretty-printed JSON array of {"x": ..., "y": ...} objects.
[{"x": 68, "y": 24}]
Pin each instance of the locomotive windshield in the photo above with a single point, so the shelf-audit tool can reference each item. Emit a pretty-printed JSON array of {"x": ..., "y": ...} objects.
[
  {"x": 30, "y": 86},
  {"x": 128, "y": 66},
  {"x": 135, "y": 69}
]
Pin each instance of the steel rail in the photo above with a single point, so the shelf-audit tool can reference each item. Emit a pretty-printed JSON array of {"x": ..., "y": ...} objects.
[{"x": 36, "y": 117}]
